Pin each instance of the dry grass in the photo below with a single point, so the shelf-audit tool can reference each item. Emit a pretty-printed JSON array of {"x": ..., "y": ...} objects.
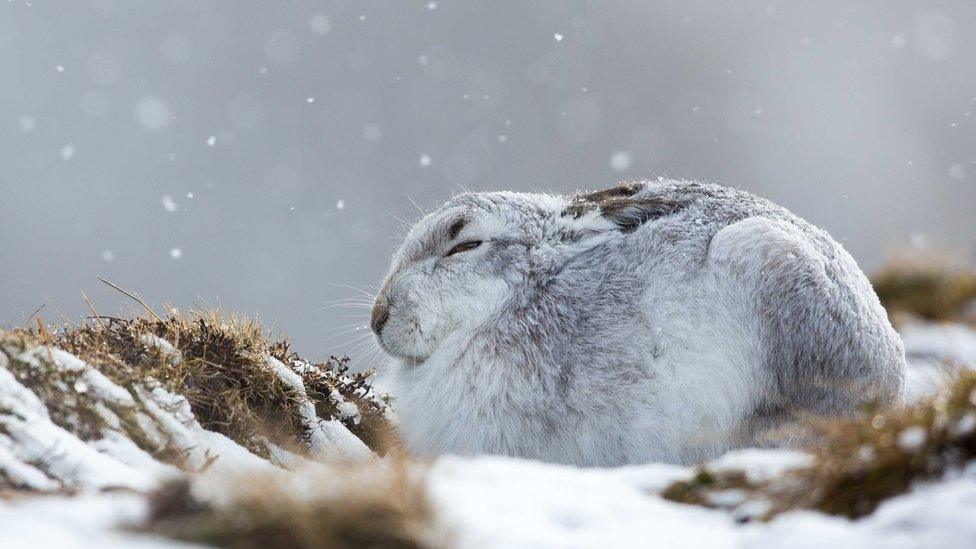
[
  {"x": 696, "y": 490},
  {"x": 382, "y": 505},
  {"x": 931, "y": 288},
  {"x": 861, "y": 462},
  {"x": 218, "y": 362}
]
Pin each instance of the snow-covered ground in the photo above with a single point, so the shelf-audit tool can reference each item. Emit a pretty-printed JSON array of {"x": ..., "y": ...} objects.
[
  {"x": 480, "y": 501},
  {"x": 498, "y": 502},
  {"x": 94, "y": 520}
]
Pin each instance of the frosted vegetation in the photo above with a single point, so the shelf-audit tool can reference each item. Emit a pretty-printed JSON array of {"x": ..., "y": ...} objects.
[{"x": 159, "y": 430}]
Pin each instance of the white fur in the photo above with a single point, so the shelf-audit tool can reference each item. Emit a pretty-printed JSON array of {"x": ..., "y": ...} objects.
[{"x": 569, "y": 339}]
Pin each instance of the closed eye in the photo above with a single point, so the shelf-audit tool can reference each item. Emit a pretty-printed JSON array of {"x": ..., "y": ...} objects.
[{"x": 463, "y": 247}]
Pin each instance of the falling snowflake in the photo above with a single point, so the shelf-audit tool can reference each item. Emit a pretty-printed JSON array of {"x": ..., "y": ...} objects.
[
  {"x": 108, "y": 256},
  {"x": 176, "y": 253},
  {"x": 341, "y": 204},
  {"x": 212, "y": 140},
  {"x": 558, "y": 37},
  {"x": 432, "y": 5},
  {"x": 169, "y": 204},
  {"x": 918, "y": 240},
  {"x": 153, "y": 114},
  {"x": 67, "y": 152},
  {"x": 621, "y": 161},
  {"x": 957, "y": 171},
  {"x": 320, "y": 24},
  {"x": 425, "y": 160},
  {"x": 27, "y": 123},
  {"x": 372, "y": 133}
]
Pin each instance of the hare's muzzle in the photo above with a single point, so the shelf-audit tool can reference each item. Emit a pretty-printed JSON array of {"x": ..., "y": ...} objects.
[{"x": 380, "y": 313}]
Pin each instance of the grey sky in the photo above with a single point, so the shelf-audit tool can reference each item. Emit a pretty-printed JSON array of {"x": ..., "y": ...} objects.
[{"x": 255, "y": 155}]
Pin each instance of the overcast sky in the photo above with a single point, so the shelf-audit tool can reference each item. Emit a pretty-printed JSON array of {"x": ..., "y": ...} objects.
[{"x": 256, "y": 155}]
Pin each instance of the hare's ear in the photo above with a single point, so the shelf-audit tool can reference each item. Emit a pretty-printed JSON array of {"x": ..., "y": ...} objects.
[{"x": 623, "y": 206}]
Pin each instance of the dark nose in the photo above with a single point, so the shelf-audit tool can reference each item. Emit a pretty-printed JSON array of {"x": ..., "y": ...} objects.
[{"x": 380, "y": 313}]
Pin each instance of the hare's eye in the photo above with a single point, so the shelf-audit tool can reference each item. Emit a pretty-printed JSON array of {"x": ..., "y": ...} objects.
[{"x": 463, "y": 247}]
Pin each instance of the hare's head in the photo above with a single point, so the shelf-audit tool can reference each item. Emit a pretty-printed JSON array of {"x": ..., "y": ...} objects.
[{"x": 462, "y": 262}]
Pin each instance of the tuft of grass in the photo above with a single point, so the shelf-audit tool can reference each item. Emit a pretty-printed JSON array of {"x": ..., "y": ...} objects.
[
  {"x": 696, "y": 490},
  {"x": 931, "y": 288},
  {"x": 866, "y": 461},
  {"x": 218, "y": 362},
  {"x": 860, "y": 462},
  {"x": 381, "y": 504}
]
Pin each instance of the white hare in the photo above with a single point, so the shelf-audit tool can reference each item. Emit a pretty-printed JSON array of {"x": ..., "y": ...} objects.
[{"x": 662, "y": 321}]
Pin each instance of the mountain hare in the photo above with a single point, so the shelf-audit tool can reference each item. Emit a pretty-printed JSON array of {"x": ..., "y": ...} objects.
[{"x": 655, "y": 321}]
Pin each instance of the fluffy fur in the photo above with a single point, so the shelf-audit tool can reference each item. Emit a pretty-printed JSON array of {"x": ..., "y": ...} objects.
[{"x": 665, "y": 321}]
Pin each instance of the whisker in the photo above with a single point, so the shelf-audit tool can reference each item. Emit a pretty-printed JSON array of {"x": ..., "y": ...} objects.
[
  {"x": 356, "y": 301},
  {"x": 348, "y": 328},
  {"x": 347, "y": 332},
  {"x": 352, "y": 342},
  {"x": 400, "y": 219},
  {"x": 373, "y": 357},
  {"x": 356, "y": 354},
  {"x": 361, "y": 306},
  {"x": 350, "y": 304},
  {"x": 362, "y": 351},
  {"x": 352, "y": 335},
  {"x": 415, "y": 205},
  {"x": 360, "y": 290},
  {"x": 346, "y": 325}
]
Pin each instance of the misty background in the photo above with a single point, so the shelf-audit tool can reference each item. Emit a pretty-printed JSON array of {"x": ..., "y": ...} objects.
[{"x": 256, "y": 155}]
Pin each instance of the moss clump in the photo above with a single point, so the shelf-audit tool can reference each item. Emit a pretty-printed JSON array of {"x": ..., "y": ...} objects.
[
  {"x": 931, "y": 289},
  {"x": 372, "y": 505}
]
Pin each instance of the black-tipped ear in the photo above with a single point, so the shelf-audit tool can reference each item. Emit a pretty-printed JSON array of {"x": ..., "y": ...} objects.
[{"x": 623, "y": 206}]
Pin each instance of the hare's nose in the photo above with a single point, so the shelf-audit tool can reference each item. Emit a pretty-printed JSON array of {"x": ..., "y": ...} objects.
[{"x": 380, "y": 313}]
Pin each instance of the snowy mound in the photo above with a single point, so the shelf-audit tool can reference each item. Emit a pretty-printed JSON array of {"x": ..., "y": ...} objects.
[
  {"x": 160, "y": 431},
  {"x": 152, "y": 398}
]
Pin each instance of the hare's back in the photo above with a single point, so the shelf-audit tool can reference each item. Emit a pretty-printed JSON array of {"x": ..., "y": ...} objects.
[{"x": 826, "y": 342}]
